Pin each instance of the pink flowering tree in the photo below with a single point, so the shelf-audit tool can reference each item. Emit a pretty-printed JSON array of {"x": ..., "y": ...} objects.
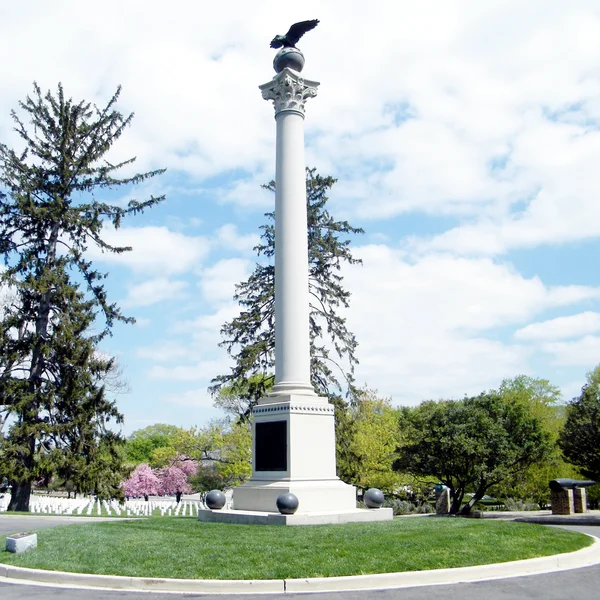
[
  {"x": 143, "y": 482},
  {"x": 187, "y": 465},
  {"x": 173, "y": 480}
]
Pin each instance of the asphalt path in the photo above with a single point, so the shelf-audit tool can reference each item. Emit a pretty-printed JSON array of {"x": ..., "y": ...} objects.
[
  {"x": 576, "y": 583},
  {"x": 19, "y": 523}
]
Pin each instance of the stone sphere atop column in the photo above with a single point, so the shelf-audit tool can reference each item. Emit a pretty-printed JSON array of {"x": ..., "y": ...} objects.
[{"x": 290, "y": 58}]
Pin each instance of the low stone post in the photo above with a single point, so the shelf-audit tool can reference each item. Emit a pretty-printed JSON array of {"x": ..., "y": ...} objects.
[
  {"x": 442, "y": 500},
  {"x": 580, "y": 500},
  {"x": 562, "y": 502}
]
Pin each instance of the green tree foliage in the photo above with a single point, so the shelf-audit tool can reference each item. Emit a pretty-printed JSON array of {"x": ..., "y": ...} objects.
[
  {"x": 155, "y": 445},
  {"x": 366, "y": 443},
  {"x": 250, "y": 337},
  {"x": 233, "y": 398},
  {"x": 593, "y": 377},
  {"x": 543, "y": 401},
  {"x": 469, "y": 444},
  {"x": 580, "y": 438},
  {"x": 223, "y": 452},
  {"x": 50, "y": 374}
]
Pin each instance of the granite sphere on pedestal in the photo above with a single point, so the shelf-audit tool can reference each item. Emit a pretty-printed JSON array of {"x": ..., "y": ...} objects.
[
  {"x": 291, "y": 58},
  {"x": 373, "y": 498},
  {"x": 287, "y": 504},
  {"x": 215, "y": 499}
]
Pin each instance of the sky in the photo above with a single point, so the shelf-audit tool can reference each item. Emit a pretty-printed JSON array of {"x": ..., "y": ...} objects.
[{"x": 465, "y": 138}]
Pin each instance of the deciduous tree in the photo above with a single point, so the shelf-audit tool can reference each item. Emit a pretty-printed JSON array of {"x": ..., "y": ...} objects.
[
  {"x": 469, "y": 444},
  {"x": 155, "y": 444},
  {"x": 580, "y": 438},
  {"x": 544, "y": 402},
  {"x": 143, "y": 482},
  {"x": 367, "y": 443}
]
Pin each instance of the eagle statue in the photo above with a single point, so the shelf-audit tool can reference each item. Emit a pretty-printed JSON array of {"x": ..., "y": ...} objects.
[{"x": 296, "y": 31}]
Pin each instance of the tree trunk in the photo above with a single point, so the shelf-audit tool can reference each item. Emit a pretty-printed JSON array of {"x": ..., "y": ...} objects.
[
  {"x": 21, "y": 490},
  {"x": 19, "y": 499}
]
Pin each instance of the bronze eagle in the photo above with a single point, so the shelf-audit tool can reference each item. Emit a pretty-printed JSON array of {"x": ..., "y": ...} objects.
[{"x": 296, "y": 31}]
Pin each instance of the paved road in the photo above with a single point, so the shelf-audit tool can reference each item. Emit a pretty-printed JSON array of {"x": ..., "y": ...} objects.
[
  {"x": 16, "y": 523},
  {"x": 577, "y": 583}
]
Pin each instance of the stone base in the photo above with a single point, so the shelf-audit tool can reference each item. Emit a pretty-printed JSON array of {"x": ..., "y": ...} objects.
[
  {"x": 21, "y": 542},
  {"x": 248, "y": 517},
  {"x": 562, "y": 502},
  {"x": 442, "y": 502},
  {"x": 580, "y": 500},
  {"x": 329, "y": 495}
]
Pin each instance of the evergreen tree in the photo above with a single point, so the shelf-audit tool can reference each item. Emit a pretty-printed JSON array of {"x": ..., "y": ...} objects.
[
  {"x": 50, "y": 371},
  {"x": 250, "y": 337}
]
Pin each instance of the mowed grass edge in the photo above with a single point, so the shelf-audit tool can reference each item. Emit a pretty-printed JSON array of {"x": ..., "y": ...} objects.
[{"x": 184, "y": 548}]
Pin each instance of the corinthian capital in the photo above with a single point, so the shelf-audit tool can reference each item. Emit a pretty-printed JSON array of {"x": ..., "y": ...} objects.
[{"x": 289, "y": 91}]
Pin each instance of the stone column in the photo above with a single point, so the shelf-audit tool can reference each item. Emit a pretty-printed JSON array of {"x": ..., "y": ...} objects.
[
  {"x": 293, "y": 428},
  {"x": 289, "y": 92}
]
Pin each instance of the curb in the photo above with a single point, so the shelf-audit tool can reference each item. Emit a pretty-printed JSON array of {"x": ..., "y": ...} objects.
[{"x": 534, "y": 566}]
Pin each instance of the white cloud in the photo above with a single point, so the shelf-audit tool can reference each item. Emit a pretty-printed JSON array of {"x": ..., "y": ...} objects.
[
  {"x": 196, "y": 398},
  {"x": 229, "y": 237},
  {"x": 571, "y": 326},
  {"x": 154, "y": 291},
  {"x": 583, "y": 352},
  {"x": 218, "y": 282},
  {"x": 201, "y": 371},
  {"x": 164, "y": 351},
  {"x": 205, "y": 329},
  {"x": 426, "y": 328},
  {"x": 154, "y": 250}
]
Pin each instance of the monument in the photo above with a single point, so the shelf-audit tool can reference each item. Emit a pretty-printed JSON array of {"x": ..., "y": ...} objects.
[{"x": 293, "y": 428}]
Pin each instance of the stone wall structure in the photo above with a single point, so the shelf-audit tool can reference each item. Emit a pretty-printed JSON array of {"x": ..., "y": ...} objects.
[
  {"x": 562, "y": 502},
  {"x": 580, "y": 500}
]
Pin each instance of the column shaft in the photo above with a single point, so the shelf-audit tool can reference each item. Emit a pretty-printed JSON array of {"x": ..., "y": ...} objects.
[{"x": 292, "y": 344}]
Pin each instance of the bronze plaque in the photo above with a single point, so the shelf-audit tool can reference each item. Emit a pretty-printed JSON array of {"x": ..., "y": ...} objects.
[{"x": 270, "y": 446}]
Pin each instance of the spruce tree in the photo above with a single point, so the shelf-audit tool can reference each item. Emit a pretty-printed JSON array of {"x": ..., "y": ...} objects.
[
  {"x": 51, "y": 374},
  {"x": 250, "y": 337}
]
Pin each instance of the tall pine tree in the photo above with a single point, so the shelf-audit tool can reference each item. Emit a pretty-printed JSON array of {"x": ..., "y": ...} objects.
[
  {"x": 250, "y": 337},
  {"x": 51, "y": 374}
]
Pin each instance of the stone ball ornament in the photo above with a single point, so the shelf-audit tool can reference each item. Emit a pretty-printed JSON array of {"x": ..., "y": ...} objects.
[
  {"x": 373, "y": 498},
  {"x": 287, "y": 504},
  {"x": 291, "y": 58},
  {"x": 215, "y": 500}
]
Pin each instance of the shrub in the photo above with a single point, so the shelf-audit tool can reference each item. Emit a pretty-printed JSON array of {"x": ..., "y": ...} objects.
[
  {"x": 520, "y": 505},
  {"x": 400, "y": 507}
]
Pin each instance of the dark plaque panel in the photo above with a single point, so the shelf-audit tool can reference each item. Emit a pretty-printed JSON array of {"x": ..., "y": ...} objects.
[{"x": 270, "y": 445}]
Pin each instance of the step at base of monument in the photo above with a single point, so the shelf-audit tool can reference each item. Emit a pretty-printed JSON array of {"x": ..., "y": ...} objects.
[
  {"x": 314, "y": 495},
  {"x": 250, "y": 517}
]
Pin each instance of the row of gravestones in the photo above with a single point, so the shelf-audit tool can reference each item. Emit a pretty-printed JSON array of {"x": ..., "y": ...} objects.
[{"x": 93, "y": 507}]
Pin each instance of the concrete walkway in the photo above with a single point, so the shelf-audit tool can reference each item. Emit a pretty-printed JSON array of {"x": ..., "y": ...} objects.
[{"x": 491, "y": 581}]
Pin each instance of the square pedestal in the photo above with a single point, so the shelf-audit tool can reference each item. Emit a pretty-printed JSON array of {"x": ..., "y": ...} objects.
[
  {"x": 293, "y": 451},
  {"x": 313, "y": 495}
]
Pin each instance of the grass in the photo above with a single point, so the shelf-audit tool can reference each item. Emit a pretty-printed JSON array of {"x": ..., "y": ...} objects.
[{"x": 186, "y": 548}]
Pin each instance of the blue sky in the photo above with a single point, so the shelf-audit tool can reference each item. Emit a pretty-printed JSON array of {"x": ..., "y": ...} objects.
[{"x": 465, "y": 137}]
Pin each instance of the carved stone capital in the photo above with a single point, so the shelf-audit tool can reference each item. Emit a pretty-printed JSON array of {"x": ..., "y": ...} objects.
[{"x": 289, "y": 91}]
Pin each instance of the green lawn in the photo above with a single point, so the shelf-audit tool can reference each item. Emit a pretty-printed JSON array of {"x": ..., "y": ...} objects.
[{"x": 186, "y": 548}]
